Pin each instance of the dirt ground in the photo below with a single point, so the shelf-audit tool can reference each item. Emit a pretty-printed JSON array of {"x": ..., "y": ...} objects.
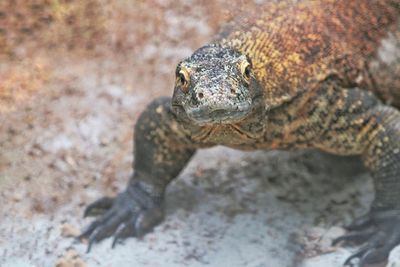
[{"x": 73, "y": 80}]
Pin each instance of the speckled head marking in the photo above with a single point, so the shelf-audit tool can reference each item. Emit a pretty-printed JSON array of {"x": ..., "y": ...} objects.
[{"x": 215, "y": 85}]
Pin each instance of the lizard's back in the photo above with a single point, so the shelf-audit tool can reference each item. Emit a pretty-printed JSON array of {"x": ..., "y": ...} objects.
[{"x": 293, "y": 46}]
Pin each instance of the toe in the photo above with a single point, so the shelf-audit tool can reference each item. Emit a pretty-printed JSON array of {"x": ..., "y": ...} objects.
[
  {"x": 89, "y": 230},
  {"x": 367, "y": 251},
  {"x": 94, "y": 225},
  {"x": 108, "y": 227},
  {"x": 124, "y": 230},
  {"x": 361, "y": 252},
  {"x": 374, "y": 256},
  {"x": 147, "y": 220},
  {"x": 380, "y": 232},
  {"x": 360, "y": 223},
  {"x": 356, "y": 238},
  {"x": 382, "y": 251},
  {"x": 98, "y": 207}
]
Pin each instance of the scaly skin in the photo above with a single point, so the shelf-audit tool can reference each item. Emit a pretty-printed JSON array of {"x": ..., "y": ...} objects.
[{"x": 315, "y": 74}]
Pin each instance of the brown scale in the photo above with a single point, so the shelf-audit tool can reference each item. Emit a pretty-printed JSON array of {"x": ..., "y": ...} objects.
[{"x": 294, "y": 46}]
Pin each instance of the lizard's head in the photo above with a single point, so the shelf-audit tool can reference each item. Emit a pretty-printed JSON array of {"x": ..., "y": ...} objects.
[{"x": 215, "y": 85}]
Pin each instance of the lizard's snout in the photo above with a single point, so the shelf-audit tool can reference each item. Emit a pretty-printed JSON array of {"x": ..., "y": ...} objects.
[
  {"x": 222, "y": 105},
  {"x": 207, "y": 97}
]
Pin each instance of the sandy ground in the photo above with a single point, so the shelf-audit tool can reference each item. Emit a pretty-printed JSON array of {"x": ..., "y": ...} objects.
[{"x": 71, "y": 142}]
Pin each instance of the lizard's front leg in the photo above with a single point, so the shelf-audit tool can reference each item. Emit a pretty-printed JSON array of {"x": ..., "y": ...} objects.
[
  {"x": 161, "y": 152},
  {"x": 380, "y": 229},
  {"x": 352, "y": 121}
]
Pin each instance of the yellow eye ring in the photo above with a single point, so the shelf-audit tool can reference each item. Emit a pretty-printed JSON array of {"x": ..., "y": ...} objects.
[
  {"x": 245, "y": 69},
  {"x": 183, "y": 79}
]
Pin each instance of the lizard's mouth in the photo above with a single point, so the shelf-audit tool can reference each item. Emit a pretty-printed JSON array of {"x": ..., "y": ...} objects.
[
  {"x": 217, "y": 114},
  {"x": 221, "y": 115}
]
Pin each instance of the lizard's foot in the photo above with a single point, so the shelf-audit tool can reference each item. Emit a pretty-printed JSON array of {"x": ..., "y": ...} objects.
[
  {"x": 132, "y": 213},
  {"x": 379, "y": 233}
]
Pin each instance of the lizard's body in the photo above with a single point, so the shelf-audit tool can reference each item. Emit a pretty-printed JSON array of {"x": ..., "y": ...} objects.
[
  {"x": 315, "y": 74},
  {"x": 293, "y": 47},
  {"x": 352, "y": 52}
]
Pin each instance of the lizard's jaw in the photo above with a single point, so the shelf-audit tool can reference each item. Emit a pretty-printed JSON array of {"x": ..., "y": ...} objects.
[
  {"x": 218, "y": 115},
  {"x": 218, "y": 112}
]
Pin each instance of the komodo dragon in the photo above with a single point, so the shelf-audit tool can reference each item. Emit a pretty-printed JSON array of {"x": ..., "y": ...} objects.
[{"x": 311, "y": 74}]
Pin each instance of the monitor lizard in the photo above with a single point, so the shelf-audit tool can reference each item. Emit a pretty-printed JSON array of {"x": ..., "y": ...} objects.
[{"x": 319, "y": 74}]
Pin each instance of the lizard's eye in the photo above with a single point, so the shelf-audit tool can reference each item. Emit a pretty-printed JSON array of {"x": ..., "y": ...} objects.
[
  {"x": 182, "y": 79},
  {"x": 245, "y": 68}
]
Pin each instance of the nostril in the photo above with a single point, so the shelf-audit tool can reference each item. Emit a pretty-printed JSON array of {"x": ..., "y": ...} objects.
[{"x": 200, "y": 95}]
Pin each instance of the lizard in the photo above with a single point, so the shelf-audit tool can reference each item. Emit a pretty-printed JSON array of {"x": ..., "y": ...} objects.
[{"x": 293, "y": 75}]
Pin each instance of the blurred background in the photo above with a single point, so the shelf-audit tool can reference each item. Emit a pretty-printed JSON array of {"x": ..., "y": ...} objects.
[{"x": 145, "y": 36}]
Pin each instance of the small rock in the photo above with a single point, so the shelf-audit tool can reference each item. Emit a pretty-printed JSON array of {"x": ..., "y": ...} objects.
[
  {"x": 318, "y": 240},
  {"x": 68, "y": 230},
  {"x": 70, "y": 258},
  {"x": 68, "y": 159},
  {"x": 17, "y": 196}
]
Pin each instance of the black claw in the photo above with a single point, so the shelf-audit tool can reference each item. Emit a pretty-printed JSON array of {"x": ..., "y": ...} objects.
[
  {"x": 360, "y": 223},
  {"x": 88, "y": 231},
  {"x": 108, "y": 226},
  {"x": 89, "y": 247},
  {"x": 365, "y": 258},
  {"x": 92, "y": 240},
  {"x": 357, "y": 255},
  {"x": 119, "y": 233},
  {"x": 101, "y": 204},
  {"x": 94, "y": 225},
  {"x": 115, "y": 240},
  {"x": 354, "y": 237}
]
